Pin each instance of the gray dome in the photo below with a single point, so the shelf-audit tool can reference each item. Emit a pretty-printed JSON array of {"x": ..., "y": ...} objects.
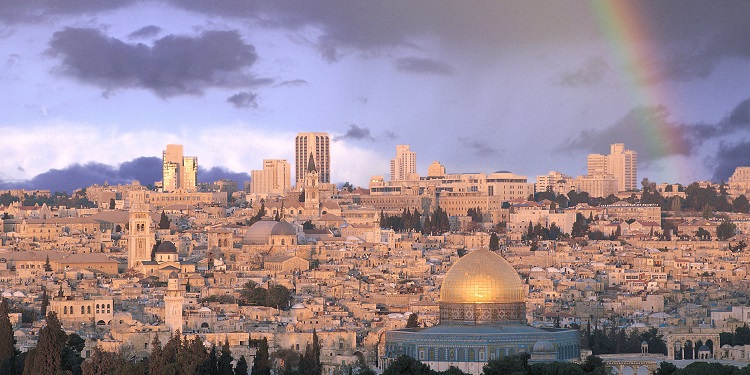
[
  {"x": 166, "y": 247},
  {"x": 282, "y": 228},
  {"x": 543, "y": 346},
  {"x": 258, "y": 233}
]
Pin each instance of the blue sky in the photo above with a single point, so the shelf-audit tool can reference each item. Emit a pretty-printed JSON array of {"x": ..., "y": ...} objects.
[{"x": 483, "y": 86}]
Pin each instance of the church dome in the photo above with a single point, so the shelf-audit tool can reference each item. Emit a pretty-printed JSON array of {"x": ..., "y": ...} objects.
[
  {"x": 258, "y": 233},
  {"x": 166, "y": 247},
  {"x": 282, "y": 228},
  {"x": 482, "y": 277}
]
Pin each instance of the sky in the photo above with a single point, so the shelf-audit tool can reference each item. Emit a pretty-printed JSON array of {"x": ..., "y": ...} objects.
[{"x": 94, "y": 89}]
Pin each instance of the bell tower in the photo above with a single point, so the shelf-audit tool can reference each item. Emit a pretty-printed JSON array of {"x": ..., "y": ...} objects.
[
  {"x": 173, "y": 301},
  {"x": 312, "y": 191},
  {"x": 140, "y": 239}
]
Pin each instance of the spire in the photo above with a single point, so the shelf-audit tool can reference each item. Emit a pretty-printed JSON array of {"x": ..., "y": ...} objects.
[{"x": 311, "y": 164}]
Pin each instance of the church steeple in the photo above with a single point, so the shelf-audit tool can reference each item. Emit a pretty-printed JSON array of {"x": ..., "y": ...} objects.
[{"x": 311, "y": 164}]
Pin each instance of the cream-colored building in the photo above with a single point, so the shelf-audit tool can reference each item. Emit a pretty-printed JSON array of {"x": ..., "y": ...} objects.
[
  {"x": 602, "y": 185},
  {"x": 404, "y": 165},
  {"x": 620, "y": 163},
  {"x": 555, "y": 182},
  {"x": 317, "y": 145},
  {"x": 178, "y": 171},
  {"x": 95, "y": 311},
  {"x": 273, "y": 179}
]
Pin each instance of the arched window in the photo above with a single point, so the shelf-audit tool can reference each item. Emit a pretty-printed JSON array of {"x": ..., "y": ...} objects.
[
  {"x": 83, "y": 310},
  {"x": 89, "y": 309},
  {"x": 65, "y": 309}
]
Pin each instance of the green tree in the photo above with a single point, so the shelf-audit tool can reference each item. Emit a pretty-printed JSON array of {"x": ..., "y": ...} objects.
[
  {"x": 261, "y": 364},
  {"x": 726, "y": 230},
  {"x": 666, "y": 368},
  {"x": 164, "y": 221},
  {"x": 71, "y": 354},
  {"x": 594, "y": 365},
  {"x": 156, "y": 360},
  {"x": 509, "y": 365},
  {"x": 47, "y": 356},
  {"x": 405, "y": 365},
  {"x": 494, "y": 242},
  {"x": 278, "y": 296},
  {"x": 702, "y": 234},
  {"x": 7, "y": 340},
  {"x": 47, "y": 266},
  {"x": 741, "y": 204},
  {"x": 111, "y": 203},
  {"x": 310, "y": 363},
  {"x": 413, "y": 321},
  {"x": 225, "y": 360},
  {"x": 241, "y": 367},
  {"x": 102, "y": 363}
]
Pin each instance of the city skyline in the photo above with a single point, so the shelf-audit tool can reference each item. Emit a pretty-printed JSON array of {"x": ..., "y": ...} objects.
[{"x": 529, "y": 87}]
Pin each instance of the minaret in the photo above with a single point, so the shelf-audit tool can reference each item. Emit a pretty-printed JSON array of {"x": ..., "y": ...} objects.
[
  {"x": 173, "y": 300},
  {"x": 140, "y": 239}
]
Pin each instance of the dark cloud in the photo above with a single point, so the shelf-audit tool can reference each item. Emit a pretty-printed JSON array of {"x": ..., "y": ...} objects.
[
  {"x": 145, "y": 32},
  {"x": 650, "y": 132},
  {"x": 218, "y": 173},
  {"x": 390, "y": 135},
  {"x": 293, "y": 83},
  {"x": 244, "y": 100},
  {"x": 728, "y": 158},
  {"x": 356, "y": 133},
  {"x": 76, "y": 176},
  {"x": 477, "y": 147},
  {"x": 422, "y": 66},
  {"x": 15, "y": 11},
  {"x": 591, "y": 73},
  {"x": 646, "y": 130},
  {"x": 147, "y": 170},
  {"x": 174, "y": 65}
]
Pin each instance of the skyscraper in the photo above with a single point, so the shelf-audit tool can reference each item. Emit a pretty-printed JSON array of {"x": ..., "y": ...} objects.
[
  {"x": 273, "y": 178},
  {"x": 404, "y": 166},
  {"x": 178, "y": 171},
  {"x": 317, "y": 144},
  {"x": 621, "y": 163}
]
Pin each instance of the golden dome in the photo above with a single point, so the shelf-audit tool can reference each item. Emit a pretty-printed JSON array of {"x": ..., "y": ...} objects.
[{"x": 482, "y": 277}]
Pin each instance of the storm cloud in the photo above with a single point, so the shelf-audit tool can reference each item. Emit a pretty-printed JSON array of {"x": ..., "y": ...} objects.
[
  {"x": 422, "y": 66},
  {"x": 479, "y": 148},
  {"x": 146, "y": 170},
  {"x": 356, "y": 133},
  {"x": 244, "y": 100},
  {"x": 145, "y": 32},
  {"x": 174, "y": 65}
]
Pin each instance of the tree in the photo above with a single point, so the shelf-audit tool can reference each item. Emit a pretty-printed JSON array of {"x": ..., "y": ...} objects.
[
  {"x": 278, "y": 296},
  {"x": 741, "y": 204},
  {"x": 71, "y": 354},
  {"x": 666, "y": 368},
  {"x": 241, "y": 367},
  {"x": 509, "y": 365},
  {"x": 156, "y": 359},
  {"x": 225, "y": 360},
  {"x": 47, "y": 266},
  {"x": 45, "y": 301},
  {"x": 310, "y": 363},
  {"x": 101, "y": 362},
  {"x": 494, "y": 242},
  {"x": 7, "y": 340},
  {"x": 703, "y": 234},
  {"x": 164, "y": 221},
  {"x": 47, "y": 356},
  {"x": 111, "y": 203},
  {"x": 261, "y": 364},
  {"x": 413, "y": 321},
  {"x": 726, "y": 230},
  {"x": 405, "y": 365}
]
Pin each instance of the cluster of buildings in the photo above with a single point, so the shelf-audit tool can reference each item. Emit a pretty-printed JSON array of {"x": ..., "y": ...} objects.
[{"x": 118, "y": 276}]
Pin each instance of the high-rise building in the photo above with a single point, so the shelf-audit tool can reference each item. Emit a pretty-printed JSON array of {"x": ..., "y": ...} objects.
[
  {"x": 274, "y": 178},
  {"x": 404, "y": 166},
  {"x": 178, "y": 171},
  {"x": 620, "y": 163},
  {"x": 317, "y": 145}
]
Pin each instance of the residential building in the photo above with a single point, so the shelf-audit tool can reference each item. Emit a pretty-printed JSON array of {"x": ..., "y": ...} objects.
[
  {"x": 178, "y": 171},
  {"x": 273, "y": 179},
  {"x": 620, "y": 163},
  {"x": 316, "y": 144},
  {"x": 404, "y": 166}
]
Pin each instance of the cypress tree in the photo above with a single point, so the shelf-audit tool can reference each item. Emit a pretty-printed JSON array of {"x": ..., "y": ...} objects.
[
  {"x": 241, "y": 367},
  {"x": 261, "y": 364},
  {"x": 48, "y": 352},
  {"x": 225, "y": 360},
  {"x": 7, "y": 339},
  {"x": 45, "y": 301}
]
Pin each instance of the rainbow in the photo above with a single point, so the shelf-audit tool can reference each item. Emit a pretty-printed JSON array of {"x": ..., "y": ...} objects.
[{"x": 629, "y": 42}]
